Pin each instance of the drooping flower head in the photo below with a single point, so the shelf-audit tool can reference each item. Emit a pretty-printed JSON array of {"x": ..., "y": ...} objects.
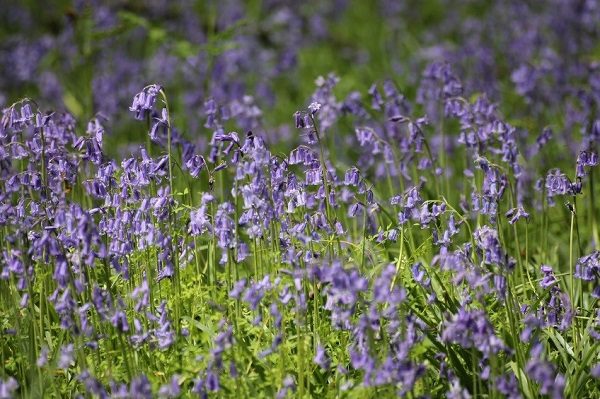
[{"x": 143, "y": 102}]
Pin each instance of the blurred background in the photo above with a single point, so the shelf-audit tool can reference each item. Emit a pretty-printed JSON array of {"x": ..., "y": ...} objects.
[{"x": 258, "y": 58}]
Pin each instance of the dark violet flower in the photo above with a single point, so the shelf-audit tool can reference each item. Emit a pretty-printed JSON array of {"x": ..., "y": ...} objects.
[
  {"x": 276, "y": 315},
  {"x": 119, "y": 391},
  {"x": 515, "y": 214},
  {"x": 383, "y": 289},
  {"x": 199, "y": 218},
  {"x": 594, "y": 330},
  {"x": 233, "y": 371},
  {"x": 212, "y": 381},
  {"x": 299, "y": 120},
  {"x": 300, "y": 155},
  {"x": 226, "y": 137},
  {"x": 543, "y": 138},
  {"x": 554, "y": 310},
  {"x": 200, "y": 388}
]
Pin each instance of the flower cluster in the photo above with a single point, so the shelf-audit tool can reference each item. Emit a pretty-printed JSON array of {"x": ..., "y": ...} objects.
[{"x": 394, "y": 241}]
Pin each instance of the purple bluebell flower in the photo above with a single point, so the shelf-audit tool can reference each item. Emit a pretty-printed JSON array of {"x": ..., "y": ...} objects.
[
  {"x": 365, "y": 136},
  {"x": 313, "y": 177},
  {"x": 352, "y": 177},
  {"x": 595, "y": 371},
  {"x": 288, "y": 385},
  {"x": 457, "y": 391},
  {"x": 321, "y": 359},
  {"x": 8, "y": 387},
  {"x": 255, "y": 292},
  {"x": 419, "y": 275},
  {"x": 585, "y": 158},
  {"x": 376, "y": 100},
  {"x": 487, "y": 241},
  {"x": 67, "y": 353},
  {"x": 119, "y": 321},
  {"x": 549, "y": 279},
  {"x": 164, "y": 333},
  {"x": 143, "y": 102},
  {"x": 171, "y": 389},
  {"x": 195, "y": 165},
  {"x": 515, "y": 214},
  {"x": 354, "y": 209},
  {"x": 508, "y": 386},
  {"x": 42, "y": 359},
  {"x": 238, "y": 288},
  {"x": 199, "y": 218},
  {"x": 212, "y": 381},
  {"x": 383, "y": 289},
  {"x": 544, "y": 373},
  {"x": 141, "y": 295},
  {"x": 557, "y": 183},
  {"x": 276, "y": 315},
  {"x": 92, "y": 385},
  {"x": 299, "y": 120},
  {"x": 587, "y": 268},
  {"x": 544, "y": 138},
  {"x": 140, "y": 388},
  {"x": 314, "y": 107},
  {"x": 472, "y": 329}
]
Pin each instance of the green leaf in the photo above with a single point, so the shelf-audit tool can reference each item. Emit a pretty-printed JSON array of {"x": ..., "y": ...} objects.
[{"x": 72, "y": 104}]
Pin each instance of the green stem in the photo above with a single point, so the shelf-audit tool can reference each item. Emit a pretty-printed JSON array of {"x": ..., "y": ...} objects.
[{"x": 572, "y": 274}]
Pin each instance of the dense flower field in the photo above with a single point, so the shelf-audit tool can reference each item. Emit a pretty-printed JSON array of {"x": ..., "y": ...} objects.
[{"x": 339, "y": 199}]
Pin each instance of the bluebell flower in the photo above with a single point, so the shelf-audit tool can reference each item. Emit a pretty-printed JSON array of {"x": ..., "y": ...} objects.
[
  {"x": 140, "y": 388},
  {"x": 544, "y": 373},
  {"x": 557, "y": 183},
  {"x": 8, "y": 387},
  {"x": 143, "y": 102},
  {"x": 587, "y": 268},
  {"x": 171, "y": 389},
  {"x": 515, "y": 214}
]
